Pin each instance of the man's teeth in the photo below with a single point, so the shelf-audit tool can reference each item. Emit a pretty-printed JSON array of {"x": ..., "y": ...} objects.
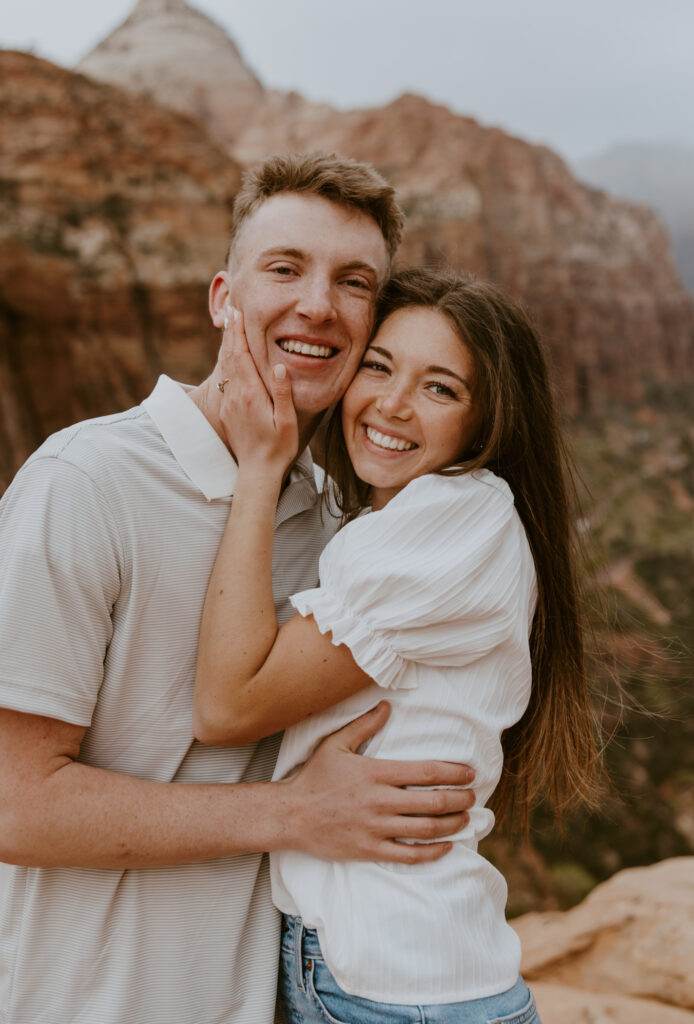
[
  {"x": 321, "y": 351},
  {"x": 396, "y": 444}
]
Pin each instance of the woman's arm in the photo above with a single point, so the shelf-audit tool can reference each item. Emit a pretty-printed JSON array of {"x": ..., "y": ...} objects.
[{"x": 253, "y": 679}]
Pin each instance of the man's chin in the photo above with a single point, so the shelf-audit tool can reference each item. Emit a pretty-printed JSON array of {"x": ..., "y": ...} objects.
[{"x": 310, "y": 402}]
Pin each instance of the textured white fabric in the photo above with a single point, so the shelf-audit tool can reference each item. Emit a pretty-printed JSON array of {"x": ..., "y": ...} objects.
[
  {"x": 107, "y": 541},
  {"x": 434, "y": 595}
]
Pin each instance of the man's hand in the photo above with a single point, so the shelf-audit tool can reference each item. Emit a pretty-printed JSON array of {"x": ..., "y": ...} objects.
[{"x": 344, "y": 806}]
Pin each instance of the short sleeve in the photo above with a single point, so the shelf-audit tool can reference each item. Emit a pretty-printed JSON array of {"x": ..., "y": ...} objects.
[
  {"x": 432, "y": 578},
  {"x": 60, "y": 561}
]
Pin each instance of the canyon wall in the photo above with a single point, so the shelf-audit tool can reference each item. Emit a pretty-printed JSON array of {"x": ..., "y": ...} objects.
[
  {"x": 114, "y": 215},
  {"x": 596, "y": 273}
]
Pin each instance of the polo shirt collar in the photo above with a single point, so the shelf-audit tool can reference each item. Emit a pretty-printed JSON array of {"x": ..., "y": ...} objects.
[{"x": 196, "y": 445}]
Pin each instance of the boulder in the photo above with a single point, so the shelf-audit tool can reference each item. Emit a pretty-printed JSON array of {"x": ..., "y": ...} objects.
[
  {"x": 561, "y": 1004},
  {"x": 633, "y": 936}
]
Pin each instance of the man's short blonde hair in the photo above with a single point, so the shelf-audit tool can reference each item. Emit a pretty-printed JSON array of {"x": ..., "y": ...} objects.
[{"x": 329, "y": 175}]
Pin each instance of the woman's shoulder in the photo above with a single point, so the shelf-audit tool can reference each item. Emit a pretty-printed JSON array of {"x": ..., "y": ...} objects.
[
  {"x": 480, "y": 486},
  {"x": 429, "y": 511}
]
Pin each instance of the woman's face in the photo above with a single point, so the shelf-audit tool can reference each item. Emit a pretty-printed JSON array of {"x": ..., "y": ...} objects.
[{"x": 410, "y": 409}]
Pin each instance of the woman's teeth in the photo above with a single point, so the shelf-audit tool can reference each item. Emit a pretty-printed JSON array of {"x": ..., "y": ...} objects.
[
  {"x": 396, "y": 444},
  {"x": 300, "y": 347}
]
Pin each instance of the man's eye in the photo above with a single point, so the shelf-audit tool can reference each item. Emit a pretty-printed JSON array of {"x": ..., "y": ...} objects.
[
  {"x": 283, "y": 271},
  {"x": 358, "y": 282}
]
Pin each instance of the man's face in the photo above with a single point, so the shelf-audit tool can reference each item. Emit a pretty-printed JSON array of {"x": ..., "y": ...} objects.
[{"x": 305, "y": 272}]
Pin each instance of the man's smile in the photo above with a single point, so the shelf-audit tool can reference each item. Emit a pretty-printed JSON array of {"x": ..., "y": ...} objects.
[{"x": 306, "y": 347}]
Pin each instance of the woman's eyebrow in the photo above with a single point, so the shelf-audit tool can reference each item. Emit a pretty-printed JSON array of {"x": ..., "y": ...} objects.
[
  {"x": 428, "y": 369},
  {"x": 449, "y": 373}
]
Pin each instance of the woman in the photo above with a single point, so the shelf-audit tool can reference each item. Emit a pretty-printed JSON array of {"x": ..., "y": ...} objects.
[{"x": 456, "y": 593}]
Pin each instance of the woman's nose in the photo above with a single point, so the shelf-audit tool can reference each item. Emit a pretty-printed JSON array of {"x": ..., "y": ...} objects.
[{"x": 395, "y": 401}]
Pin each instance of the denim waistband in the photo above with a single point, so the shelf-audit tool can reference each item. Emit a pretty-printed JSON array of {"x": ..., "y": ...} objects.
[
  {"x": 294, "y": 932},
  {"x": 302, "y": 945}
]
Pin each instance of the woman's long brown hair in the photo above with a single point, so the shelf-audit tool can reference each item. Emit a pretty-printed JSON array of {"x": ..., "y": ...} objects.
[{"x": 552, "y": 752}]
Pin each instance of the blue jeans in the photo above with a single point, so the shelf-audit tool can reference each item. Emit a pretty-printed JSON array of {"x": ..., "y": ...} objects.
[{"x": 310, "y": 995}]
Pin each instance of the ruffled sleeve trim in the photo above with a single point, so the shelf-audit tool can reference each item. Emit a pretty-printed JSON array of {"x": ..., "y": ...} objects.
[{"x": 369, "y": 648}]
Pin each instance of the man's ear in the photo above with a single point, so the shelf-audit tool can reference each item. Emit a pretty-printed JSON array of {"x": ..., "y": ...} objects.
[{"x": 218, "y": 299}]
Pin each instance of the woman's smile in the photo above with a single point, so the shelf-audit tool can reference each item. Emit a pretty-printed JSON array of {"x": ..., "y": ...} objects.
[
  {"x": 410, "y": 409},
  {"x": 388, "y": 442}
]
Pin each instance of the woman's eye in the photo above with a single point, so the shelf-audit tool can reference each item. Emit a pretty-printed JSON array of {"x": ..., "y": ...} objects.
[
  {"x": 370, "y": 364},
  {"x": 442, "y": 389}
]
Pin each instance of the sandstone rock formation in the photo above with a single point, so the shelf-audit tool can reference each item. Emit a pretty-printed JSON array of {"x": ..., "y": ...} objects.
[
  {"x": 562, "y": 1004},
  {"x": 179, "y": 57},
  {"x": 596, "y": 273},
  {"x": 114, "y": 214},
  {"x": 658, "y": 174},
  {"x": 624, "y": 954}
]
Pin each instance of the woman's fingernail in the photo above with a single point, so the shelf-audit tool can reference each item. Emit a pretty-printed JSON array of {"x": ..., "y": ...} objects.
[
  {"x": 279, "y": 371},
  {"x": 235, "y": 314}
]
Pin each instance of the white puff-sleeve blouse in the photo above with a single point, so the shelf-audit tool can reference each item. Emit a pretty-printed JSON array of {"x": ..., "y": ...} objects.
[{"x": 434, "y": 595}]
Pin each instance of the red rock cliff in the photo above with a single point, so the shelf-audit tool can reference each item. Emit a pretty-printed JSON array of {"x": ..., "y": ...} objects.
[
  {"x": 596, "y": 273},
  {"x": 114, "y": 215}
]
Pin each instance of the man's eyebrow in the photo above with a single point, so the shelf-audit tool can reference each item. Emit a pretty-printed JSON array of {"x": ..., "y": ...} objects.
[
  {"x": 429, "y": 369},
  {"x": 283, "y": 250},
  {"x": 299, "y": 254},
  {"x": 360, "y": 265}
]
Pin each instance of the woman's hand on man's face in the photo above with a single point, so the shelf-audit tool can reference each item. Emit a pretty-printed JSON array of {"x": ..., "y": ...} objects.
[{"x": 260, "y": 426}]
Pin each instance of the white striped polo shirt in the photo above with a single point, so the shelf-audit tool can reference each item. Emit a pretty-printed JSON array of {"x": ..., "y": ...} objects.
[{"x": 108, "y": 535}]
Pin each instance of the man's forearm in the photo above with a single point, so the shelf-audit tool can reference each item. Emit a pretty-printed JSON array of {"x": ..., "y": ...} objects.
[
  {"x": 56, "y": 811},
  {"x": 88, "y": 817}
]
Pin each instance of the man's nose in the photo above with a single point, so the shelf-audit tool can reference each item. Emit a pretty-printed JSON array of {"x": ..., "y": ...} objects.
[{"x": 316, "y": 301}]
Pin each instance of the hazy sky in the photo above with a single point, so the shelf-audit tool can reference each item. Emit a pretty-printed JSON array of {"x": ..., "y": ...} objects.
[{"x": 579, "y": 75}]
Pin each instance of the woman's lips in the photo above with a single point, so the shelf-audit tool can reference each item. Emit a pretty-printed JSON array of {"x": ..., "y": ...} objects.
[{"x": 388, "y": 442}]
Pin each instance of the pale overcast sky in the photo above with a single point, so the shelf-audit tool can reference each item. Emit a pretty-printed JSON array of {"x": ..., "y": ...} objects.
[{"x": 579, "y": 75}]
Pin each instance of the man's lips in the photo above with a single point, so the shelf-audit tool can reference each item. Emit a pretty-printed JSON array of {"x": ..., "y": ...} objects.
[{"x": 315, "y": 348}]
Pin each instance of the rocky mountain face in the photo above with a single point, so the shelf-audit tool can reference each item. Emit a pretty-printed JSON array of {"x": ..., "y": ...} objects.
[
  {"x": 624, "y": 955},
  {"x": 114, "y": 215},
  {"x": 178, "y": 57},
  {"x": 659, "y": 175},
  {"x": 596, "y": 273}
]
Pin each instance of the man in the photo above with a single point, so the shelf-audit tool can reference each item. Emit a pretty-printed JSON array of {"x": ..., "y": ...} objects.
[{"x": 136, "y": 892}]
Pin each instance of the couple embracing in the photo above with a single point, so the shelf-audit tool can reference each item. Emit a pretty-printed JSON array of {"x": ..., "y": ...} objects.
[{"x": 164, "y": 616}]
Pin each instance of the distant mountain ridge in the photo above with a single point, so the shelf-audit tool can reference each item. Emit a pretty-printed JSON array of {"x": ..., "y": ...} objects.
[
  {"x": 658, "y": 174},
  {"x": 180, "y": 57}
]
